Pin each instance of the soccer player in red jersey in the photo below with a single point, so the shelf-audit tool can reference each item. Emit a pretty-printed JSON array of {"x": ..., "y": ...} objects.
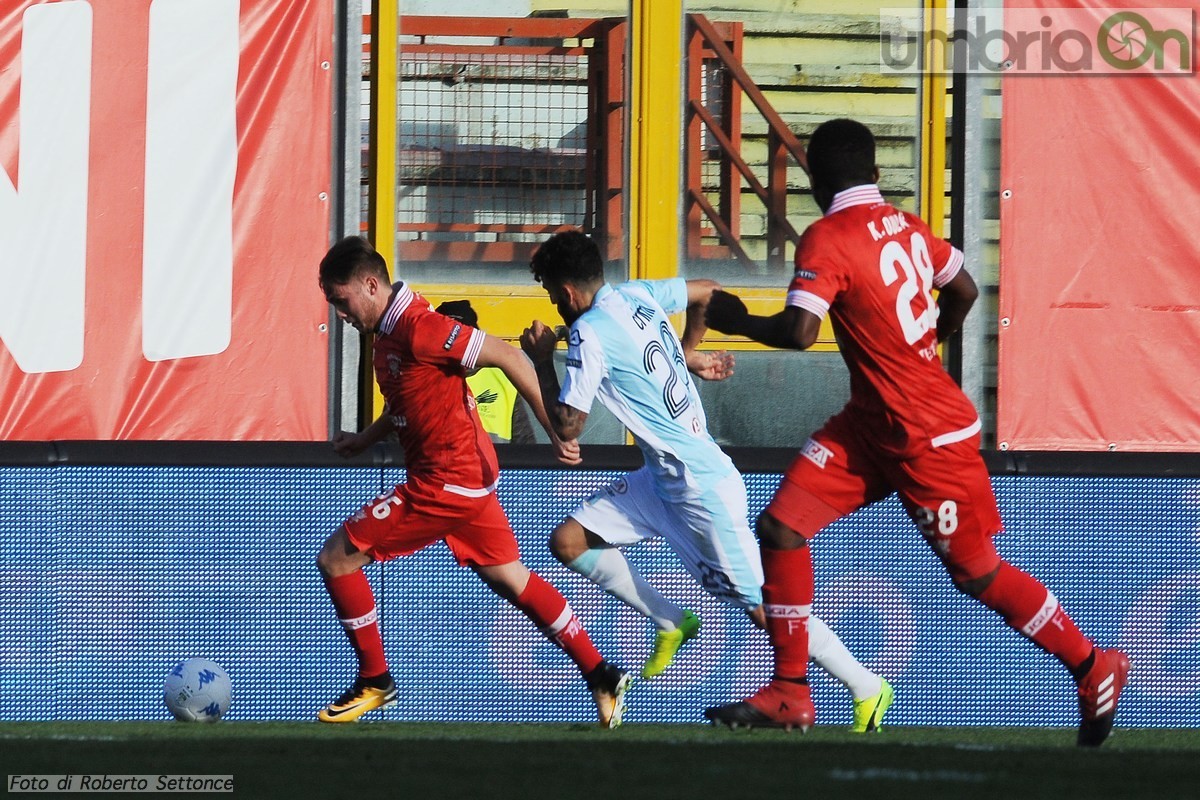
[
  {"x": 421, "y": 360},
  {"x": 907, "y": 428}
]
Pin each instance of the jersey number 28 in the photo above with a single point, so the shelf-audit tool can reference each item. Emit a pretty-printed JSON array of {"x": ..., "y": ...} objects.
[{"x": 916, "y": 267}]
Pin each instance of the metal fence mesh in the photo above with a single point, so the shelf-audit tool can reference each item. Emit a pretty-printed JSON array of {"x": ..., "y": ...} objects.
[{"x": 492, "y": 145}]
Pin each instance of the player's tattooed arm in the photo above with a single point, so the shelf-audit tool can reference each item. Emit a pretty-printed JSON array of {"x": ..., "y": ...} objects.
[
  {"x": 539, "y": 342},
  {"x": 568, "y": 422}
]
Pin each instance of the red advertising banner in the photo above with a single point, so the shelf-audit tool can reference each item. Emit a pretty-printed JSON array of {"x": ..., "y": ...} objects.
[
  {"x": 165, "y": 178},
  {"x": 1099, "y": 273}
]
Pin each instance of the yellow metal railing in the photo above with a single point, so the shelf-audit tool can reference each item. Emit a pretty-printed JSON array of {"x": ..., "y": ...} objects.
[
  {"x": 933, "y": 119},
  {"x": 655, "y": 136},
  {"x": 381, "y": 194}
]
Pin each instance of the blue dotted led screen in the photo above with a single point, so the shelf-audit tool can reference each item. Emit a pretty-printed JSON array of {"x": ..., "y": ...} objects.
[{"x": 112, "y": 575}]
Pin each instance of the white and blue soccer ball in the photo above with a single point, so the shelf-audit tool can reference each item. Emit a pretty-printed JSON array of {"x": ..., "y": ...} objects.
[{"x": 197, "y": 690}]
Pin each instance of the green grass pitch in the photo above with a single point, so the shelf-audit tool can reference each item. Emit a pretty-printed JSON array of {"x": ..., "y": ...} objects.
[{"x": 424, "y": 761}]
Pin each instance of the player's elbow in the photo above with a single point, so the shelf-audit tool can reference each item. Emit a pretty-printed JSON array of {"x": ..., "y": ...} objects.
[
  {"x": 802, "y": 340},
  {"x": 962, "y": 297},
  {"x": 700, "y": 290},
  {"x": 803, "y": 330},
  {"x": 961, "y": 291}
]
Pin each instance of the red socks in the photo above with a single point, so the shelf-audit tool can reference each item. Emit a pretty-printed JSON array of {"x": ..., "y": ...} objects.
[
  {"x": 787, "y": 599},
  {"x": 551, "y": 612},
  {"x": 1030, "y": 608},
  {"x": 355, "y": 607},
  {"x": 541, "y": 602}
]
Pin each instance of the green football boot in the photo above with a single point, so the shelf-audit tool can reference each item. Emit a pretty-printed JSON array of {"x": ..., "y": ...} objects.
[{"x": 667, "y": 644}]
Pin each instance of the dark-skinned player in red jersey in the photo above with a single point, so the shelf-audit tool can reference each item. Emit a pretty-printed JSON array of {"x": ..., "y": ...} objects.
[
  {"x": 907, "y": 428},
  {"x": 421, "y": 360}
]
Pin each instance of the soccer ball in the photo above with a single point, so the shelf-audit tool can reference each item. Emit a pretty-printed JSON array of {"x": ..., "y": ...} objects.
[{"x": 197, "y": 690}]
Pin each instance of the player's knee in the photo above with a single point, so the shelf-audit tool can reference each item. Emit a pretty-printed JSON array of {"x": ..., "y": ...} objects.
[
  {"x": 333, "y": 559},
  {"x": 324, "y": 563},
  {"x": 774, "y": 534},
  {"x": 328, "y": 564},
  {"x": 507, "y": 581},
  {"x": 568, "y": 541},
  {"x": 974, "y": 587},
  {"x": 558, "y": 544}
]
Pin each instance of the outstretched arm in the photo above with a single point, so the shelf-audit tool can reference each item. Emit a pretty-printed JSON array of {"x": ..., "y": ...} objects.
[
  {"x": 538, "y": 341},
  {"x": 498, "y": 353},
  {"x": 710, "y": 365},
  {"x": 791, "y": 329},
  {"x": 954, "y": 301}
]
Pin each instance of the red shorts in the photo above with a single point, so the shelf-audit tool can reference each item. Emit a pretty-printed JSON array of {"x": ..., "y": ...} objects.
[
  {"x": 945, "y": 490},
  {"x": 404, "y": 520}
]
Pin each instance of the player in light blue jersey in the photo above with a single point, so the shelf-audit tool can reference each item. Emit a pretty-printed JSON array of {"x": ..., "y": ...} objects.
[{"x": 623, "y": 349}]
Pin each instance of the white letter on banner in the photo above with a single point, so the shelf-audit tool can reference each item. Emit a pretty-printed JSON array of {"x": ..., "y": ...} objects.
[
  {"x": 43, "y": 225},
  {"x": 191, "y": 163}
]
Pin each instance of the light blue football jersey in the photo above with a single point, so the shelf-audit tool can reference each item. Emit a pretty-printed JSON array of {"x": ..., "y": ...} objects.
[{"x": 624, "y": 350}]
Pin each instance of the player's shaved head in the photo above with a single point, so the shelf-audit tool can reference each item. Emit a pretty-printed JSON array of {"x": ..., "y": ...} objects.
[
  {"x": 350, "y": 258},
  {"x": 841, "y": 154},
  {"x": 568, "y": 257}
]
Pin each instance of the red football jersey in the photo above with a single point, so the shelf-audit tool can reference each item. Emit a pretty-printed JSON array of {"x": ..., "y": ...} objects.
[
  {"x": 421, "y": 361},
  {"x": 872, "y": 268}
]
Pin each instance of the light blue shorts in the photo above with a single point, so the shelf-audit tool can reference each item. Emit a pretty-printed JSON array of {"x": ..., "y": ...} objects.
[{"x": 709, "y": 533}]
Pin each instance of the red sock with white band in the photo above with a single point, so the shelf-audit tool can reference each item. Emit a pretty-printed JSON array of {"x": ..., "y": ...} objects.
[
  {"x": 355, "y": 606},
  {"x": 787, "y": 600},
  {"x": 1033, "y": 610},
  {"x": 551, "y": 612}
]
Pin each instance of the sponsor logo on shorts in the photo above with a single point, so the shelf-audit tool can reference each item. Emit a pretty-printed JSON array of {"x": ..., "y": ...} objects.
[
  {"x": 816, "y": 452},
  {"x": 806, "y": 274},
  {"x": 453, "y": 337}
]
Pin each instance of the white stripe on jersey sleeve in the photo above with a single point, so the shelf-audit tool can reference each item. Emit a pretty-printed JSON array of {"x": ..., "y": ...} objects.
[
  {"x": 473, "y": 347},
  {"x": 953, "y": 265},
  {"x": 808, "y": 301}
]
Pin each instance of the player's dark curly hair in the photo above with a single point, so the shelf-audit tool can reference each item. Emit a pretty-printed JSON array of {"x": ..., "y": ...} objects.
[
  {"x": 568, "y": 257},
  {"x": 841, "y": 154},
  {"x": 349, "y": 258}
]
